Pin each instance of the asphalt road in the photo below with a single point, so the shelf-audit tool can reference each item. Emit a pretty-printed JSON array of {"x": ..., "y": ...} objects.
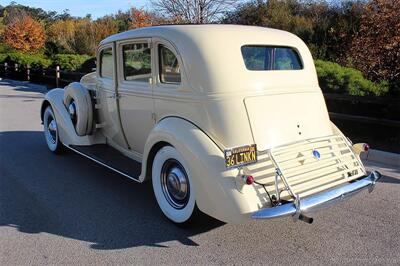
[{"x": 69, "y": 210}]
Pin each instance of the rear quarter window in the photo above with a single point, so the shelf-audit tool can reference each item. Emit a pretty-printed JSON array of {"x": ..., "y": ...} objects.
[
  {"x": 106, "y": 63},
  {"x": 258, "y": 58}
]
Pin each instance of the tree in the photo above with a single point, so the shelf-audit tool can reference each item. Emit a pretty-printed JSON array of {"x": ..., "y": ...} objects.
[
  {"x": 80, "y": 36},
  {"x": 193, "y": 11},
  {"x": 140, "y": 18},
  {"x": 280, "y": 14},
  {"x": 62, "y": 34},
  {"x": 326, "y": 27},
  {"x": 104, "y": 27},
  {"x": 376, "y": 48},
  {"x": 26, "y": 35},
  {"x": 85, "y": 37}
]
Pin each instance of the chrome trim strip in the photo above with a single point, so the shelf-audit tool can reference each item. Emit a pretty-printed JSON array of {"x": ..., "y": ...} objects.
[
  {"x": 319, "y": 201},
  {"x": 103, "y": 164}
]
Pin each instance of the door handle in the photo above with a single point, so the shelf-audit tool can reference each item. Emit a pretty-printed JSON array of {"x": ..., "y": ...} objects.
[{"x": 115, "y": 96}]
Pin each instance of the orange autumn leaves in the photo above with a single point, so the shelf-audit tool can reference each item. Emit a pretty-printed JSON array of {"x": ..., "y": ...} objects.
[
  {"x": 80, "y": 35},
  {"x": 25, "y": 34},
  {"x": 140, "y": 18}
]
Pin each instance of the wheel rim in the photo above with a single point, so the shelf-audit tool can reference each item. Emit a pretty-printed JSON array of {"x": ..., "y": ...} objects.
[
  {"x": 72, "y": 112},
  {"x": 175, "y": 184},
  {"x": 51, "y": 132}
]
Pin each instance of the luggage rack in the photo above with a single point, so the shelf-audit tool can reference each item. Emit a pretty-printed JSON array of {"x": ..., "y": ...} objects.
[
  {"x": 288, "y": 188},
  {"x": 293, "y": 169},
  {"x": 310, "y": 173}
]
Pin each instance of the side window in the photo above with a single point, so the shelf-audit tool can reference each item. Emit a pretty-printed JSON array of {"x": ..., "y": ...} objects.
[
  {"x": 170, "y": 71},
  {"x": 106, "y": 63},
  {"x": 137, "y": 62}
]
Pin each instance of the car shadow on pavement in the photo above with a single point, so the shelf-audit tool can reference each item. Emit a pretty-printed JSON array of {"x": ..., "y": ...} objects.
[
  {"x": 73, "y": 197},
  {"x": 23, "y": 86}
]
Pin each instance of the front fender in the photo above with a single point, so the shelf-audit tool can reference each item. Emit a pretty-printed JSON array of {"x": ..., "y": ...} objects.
[
  {"x": 215, "y": 186},
  {"x": 66, "y": 129}
]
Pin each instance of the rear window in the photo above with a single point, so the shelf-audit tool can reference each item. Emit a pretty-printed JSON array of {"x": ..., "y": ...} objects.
[
  {"x": 258, "y": 57},
  {"x": 169, "y": 66}
]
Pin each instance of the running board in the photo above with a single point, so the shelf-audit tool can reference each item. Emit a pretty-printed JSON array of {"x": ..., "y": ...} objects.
[{"x": 111, "y": 158}]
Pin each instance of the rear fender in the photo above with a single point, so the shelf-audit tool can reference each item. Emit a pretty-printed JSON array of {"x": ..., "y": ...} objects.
[{"x": 215, "y": 187}]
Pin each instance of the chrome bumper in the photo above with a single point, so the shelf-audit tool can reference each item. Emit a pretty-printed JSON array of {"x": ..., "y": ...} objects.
[{"x": 301, "y": 207}]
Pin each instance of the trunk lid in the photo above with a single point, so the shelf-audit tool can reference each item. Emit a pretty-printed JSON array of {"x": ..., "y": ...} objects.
[{"x": 285, "y": 118}]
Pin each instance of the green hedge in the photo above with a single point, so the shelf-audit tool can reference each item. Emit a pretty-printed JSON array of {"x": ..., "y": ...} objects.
[
  {"x": 3, "y": 57},
  {"x": 336, "y": 78},
  {"x": 65, "y": 61},
  {"x": 32, "y": 60},
  {"x": 70, "y": 61}
]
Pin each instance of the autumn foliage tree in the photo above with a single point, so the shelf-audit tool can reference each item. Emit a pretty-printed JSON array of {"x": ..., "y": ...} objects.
[
  {"x": 140, "y": 18},
  {"x": 376, "y": 48},
  {"x": 26, "y": 35},
  {"x": 80, "y": 36}
]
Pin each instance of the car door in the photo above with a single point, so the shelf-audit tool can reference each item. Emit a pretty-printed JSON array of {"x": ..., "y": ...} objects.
[
  {"x": 106, "y": 93},
  {"x": 135, "y": 92}
]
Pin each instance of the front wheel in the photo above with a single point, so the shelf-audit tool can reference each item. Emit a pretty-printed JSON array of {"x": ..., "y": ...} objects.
[
  {"x": 173, "y": 187},
  {"x": 50, "y": 129}
]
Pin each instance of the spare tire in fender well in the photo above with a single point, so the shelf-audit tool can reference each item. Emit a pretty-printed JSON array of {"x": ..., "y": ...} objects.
[{"x": 84, "y": 110}]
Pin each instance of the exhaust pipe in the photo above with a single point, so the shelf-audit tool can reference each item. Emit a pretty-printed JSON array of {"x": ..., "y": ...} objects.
[{"x": 306, "y": 219}]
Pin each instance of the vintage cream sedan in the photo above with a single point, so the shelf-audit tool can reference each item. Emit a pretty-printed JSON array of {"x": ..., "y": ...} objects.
[{"x": 224, "y": 120}]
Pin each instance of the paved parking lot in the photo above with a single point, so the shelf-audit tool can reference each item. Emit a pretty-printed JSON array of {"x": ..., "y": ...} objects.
[{"x": 69, "y": 210}]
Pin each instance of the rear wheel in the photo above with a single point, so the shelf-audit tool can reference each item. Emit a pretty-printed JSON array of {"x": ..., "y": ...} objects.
[
  {"x": 173, "y": 187},
  {"x": 50, "y": 129}
]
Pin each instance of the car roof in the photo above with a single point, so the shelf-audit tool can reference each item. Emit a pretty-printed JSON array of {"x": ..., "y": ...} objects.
[
  {"x": 210, "y": 32},
  {"x": 212, "y": 59}
]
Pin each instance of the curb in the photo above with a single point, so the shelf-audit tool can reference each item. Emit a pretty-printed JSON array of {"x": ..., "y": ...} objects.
[{"x": 384, "y": 157}]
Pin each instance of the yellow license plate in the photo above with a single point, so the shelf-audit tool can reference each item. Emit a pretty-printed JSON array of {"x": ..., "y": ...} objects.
[{"x": 240, "y": 156}]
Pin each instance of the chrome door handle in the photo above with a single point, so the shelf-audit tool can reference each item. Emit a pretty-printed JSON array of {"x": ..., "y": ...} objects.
[{"x": 115, "y": 96}]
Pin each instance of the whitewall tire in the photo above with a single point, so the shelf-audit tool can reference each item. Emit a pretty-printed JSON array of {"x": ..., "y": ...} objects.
[
  {"x": 50, "y": 129},
  {"x": 173, "y": 187}
]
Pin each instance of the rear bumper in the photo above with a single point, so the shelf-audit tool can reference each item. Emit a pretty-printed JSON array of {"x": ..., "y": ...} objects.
[{"x": 301, "y": 207}]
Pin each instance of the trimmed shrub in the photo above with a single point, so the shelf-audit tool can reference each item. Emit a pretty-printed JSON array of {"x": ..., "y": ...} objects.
[
  {"x": 70, "y": 61},
  {"x": 336, "y": 78},
  {"x": 88, "y": 65},
  {"x": 3, "y": 57},
  {"x": 32, "y": 60}
]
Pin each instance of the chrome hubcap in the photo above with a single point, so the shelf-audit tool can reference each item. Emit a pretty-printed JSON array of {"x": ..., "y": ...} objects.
[
  {"x": 52, "y": 129},
  {"x": 72, "y": 111},
  {"x": 175, "y": 184}
]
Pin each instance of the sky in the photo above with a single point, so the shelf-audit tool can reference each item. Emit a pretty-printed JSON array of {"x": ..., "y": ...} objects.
[{"x": 96, "y": 8}]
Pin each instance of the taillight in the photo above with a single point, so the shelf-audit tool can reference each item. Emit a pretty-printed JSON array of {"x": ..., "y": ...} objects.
[
  {"x": 248, "y": 179},
  {"x": 365, "y": 147},
  {"x": 360, "y": 147}
]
